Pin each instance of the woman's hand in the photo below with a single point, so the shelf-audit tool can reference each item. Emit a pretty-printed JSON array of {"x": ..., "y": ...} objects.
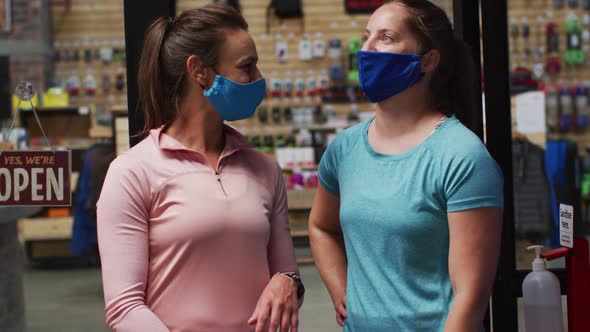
[
  {"x": 341, "y": 311},
  {"x": 277, "y": 306}
]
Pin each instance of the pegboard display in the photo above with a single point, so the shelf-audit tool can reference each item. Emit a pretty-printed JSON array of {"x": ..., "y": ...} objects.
[
  {"x": 89, "y": 48},
  {"x": 537, "y": 16},
  {"x": 284, "y": 64},
  {"x": 551, "y": 39}
]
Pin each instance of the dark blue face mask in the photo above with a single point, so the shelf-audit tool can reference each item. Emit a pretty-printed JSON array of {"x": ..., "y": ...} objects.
[{"x": 383, "y": 75}]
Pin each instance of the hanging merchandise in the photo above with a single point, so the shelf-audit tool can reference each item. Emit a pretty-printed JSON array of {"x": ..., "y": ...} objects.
[
  {"x": 90, "y": 84},
  {"x": 288, "y": 114},
  {"x": 337, "y": 73},
  {"x": 106, "y": 84},
  {"x": 312, "y": 88},
  {"x": 256, "y": 142},
  {"x": 324, "y": 82},
  {"x": 106, "y": 54},
  {"x": 586, "y": 33},
  {"x": 335, "y": 49},
  {"x": 284, "y": 9},
  {"x": 76, "y": 55},
  {"x": 66, "y": 55},
  {"x": 538, "y": 67},
  {"x": 553, "y": 62},
  {"x": 552, "y": 101},
  {"x": 305, "y": 50},
  {"x": 582, "y": 107},
  {"x": 526, "y": 32},
  {"x": 87, "y": 56},
  {"x": 558, "y": 4},
  {"x": 353, "y": 114},
  {"x": 539, "y": 47},
  {"x": 276, "y": 115},
  {"x": 262, "y": 114},
  {"x": 573, "y": 3},
  {"x": 73, "y": 85},
  {"x": 532, "y": 208},
  {"x": 541, "y": 297},
  {"x": 574, "y": 54},
  {"x": 354, "y": 46},
  {"x": 275, "y": 87},
  {"x": 282, "y": 51},
  {"x": 565, "y": 102},
  {"x": 299, "y": 86},
  {"x": 362, "y": 7},
  {"x": 586, "y": 4},
  {"x": 319, "y": 46},
  {"x": 120, "y": 82},
  {"x": 318, "y": 115},
  {"x": 515, "y": 35},
  {"x": 288, "y": 86},
  {"x": 118, "y": 55},
  {"x": 96, "y": 50},
  {"x": 268, "y": 143}
]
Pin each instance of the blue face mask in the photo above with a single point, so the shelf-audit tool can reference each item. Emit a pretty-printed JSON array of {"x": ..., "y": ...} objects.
[
  {"x": 383, "y": 75},
  {"x": 235, "y": 101}
]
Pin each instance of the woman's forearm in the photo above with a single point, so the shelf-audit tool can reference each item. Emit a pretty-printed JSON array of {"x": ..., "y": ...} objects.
[
  {"x": 466, "y": 315},
  {"x": 330, "y": 258}
]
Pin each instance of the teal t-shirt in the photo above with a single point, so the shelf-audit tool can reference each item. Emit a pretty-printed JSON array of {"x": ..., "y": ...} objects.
[{"x": 393, "y": 213}]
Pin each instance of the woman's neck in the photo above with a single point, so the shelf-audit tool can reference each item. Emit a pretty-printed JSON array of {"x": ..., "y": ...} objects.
[
  {"x": 198, "y": 127},
  {"x": 405, "y": 113}
]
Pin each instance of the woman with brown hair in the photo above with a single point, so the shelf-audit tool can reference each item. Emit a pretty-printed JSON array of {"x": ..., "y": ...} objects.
[
  {"x": 405, "y": 228},
  {"x": 192, "y": 223}
]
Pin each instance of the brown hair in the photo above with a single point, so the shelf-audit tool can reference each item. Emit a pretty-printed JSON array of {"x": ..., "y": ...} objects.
[
  {"x": 452, "y": 86},
  {"x": 167, "y": 45}
]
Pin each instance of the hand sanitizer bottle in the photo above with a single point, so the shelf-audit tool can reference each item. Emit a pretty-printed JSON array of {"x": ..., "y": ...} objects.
[{"x": 542, "y": 298}]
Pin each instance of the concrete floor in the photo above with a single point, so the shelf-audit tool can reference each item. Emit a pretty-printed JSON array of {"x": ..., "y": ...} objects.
[{"x": 70, "y": 300}]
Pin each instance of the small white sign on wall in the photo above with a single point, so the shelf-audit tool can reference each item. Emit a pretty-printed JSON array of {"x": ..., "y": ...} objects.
[{"x": 530, "y": 112}]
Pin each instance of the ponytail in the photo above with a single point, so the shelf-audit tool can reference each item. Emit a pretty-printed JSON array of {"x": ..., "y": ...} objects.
[
  {"x": 453, "y": 83},
  {"x": 152, "y": 100},
  {"x": 167, "y": 45},
  {"x": 462, "y": 92}
]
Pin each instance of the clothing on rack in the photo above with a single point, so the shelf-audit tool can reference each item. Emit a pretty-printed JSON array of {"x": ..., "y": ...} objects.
[{"x": 96, "y": 162}]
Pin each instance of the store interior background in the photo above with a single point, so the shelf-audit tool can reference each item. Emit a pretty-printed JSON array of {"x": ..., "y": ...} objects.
[{"x": 79, "y": 45}]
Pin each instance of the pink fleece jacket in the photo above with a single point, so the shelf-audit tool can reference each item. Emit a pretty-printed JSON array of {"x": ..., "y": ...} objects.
[{"x": 185, "y": 248}]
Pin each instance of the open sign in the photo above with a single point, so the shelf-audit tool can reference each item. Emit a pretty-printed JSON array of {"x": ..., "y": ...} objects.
[{"x": 35, "y": 178}]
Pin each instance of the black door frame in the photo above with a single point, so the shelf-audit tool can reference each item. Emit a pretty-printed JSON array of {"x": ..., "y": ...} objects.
[
  {"x": 140, "y": 14},
  {"x": 499, "y": 142}
]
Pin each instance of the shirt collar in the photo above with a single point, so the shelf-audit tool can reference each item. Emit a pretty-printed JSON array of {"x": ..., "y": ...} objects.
[{"x": 234, "y": 141}]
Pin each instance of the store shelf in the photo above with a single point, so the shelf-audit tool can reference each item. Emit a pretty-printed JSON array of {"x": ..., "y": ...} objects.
[
  {"x": 58, "y": 111},
  {"x": 300, "y": 233},
  {"x": 300, "y": 200},
  {"x": 34, "y": 229}
]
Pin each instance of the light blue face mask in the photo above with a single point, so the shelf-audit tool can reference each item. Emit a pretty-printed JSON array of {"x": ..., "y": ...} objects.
[{"x": 235, "y": 101}]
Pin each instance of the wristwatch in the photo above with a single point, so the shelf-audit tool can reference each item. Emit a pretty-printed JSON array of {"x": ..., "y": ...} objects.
[{"x": 297, "y": 280}]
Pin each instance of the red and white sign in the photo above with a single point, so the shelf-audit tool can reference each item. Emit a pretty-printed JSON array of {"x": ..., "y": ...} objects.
[{"x": 35, "y": 178}]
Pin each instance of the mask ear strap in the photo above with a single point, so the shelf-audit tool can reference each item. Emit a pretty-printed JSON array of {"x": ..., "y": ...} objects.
[{"x": 216, "y": 73}]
